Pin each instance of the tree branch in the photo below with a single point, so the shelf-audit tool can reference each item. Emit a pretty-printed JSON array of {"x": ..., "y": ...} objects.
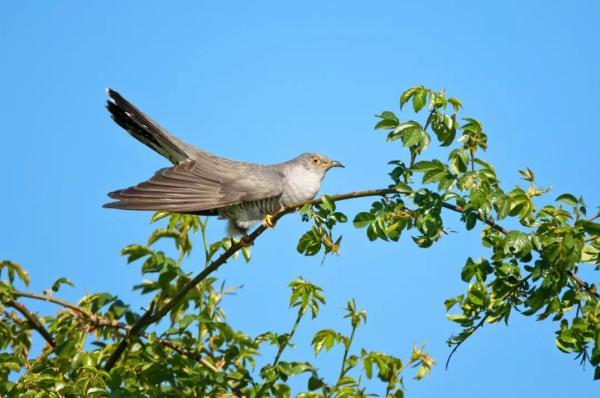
[
  {"x": 99, "y": 321},
  {"x": 488, "y": 221},
  {"x": 153, "y": 317},
  {"x": 33, "y": 320},
  {"x": 149, "y": 317}
]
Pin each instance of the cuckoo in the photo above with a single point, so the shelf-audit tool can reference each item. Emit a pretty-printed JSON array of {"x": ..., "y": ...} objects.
[{"x": 205, "y": 184}]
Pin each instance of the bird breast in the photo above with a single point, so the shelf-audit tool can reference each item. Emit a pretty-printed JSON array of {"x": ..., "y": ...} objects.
[{"x": 300, "y": 185}]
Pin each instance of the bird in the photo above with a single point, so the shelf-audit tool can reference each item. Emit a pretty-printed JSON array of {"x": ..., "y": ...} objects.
[{"x": 201, "y": 183}]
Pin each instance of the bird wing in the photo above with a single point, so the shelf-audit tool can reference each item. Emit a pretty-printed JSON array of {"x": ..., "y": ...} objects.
[{"x": 201, "y": 185}]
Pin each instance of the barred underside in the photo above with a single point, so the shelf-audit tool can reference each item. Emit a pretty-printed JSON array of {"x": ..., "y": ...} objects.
[{"x": 246, "y": 214}]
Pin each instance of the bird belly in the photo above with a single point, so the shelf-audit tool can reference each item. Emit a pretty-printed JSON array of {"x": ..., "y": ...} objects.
[{"x": 248, "y": 214}]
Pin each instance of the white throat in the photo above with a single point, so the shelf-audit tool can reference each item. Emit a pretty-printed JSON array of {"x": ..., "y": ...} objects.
[{"x": 301, "y": 185}]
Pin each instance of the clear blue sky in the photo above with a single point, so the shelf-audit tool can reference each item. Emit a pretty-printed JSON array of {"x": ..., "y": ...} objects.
[{"x": 262, "y": 81}]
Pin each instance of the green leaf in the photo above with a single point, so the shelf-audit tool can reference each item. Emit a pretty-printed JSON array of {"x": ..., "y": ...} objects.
[
  {"x": 568, "y": 199},
  {"x": 14, "y": 268},
  {"x": 159, "y": 215},
  {"x": 388, "y": 116},
  {"x": 325, "y": 338},
  {"x": 386, "y": 124},
  {"x": 458, "y": 161},
  {"x": 328, "y": 203},
  {"x": 456, "y": 104},
  {"x": 412, "y": 136},
  {"x": 517, "y": 243},
  {"x": 61, "y": 281},
  {"x": 527, "y": 174},
  {"x": 363, "y": 219},
  {"x": 592, "y": 228},
  {"x": 419, "y": 99},
  {"x": 314, "y": 383},
  {"x": 403, "y": 130},
  {"x": 402, "y": 188},
  {"x": 134, "y": 252},
  {"x": 309, "y": 244},
  {"x": 424, "y": 165},
  {"x": 162, "y": 233},
  {"x": 472, "y": 125},
  {"x": 405, "y": 97}
]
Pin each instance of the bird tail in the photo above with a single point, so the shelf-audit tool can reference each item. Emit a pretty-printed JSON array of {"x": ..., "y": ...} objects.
[{"x": 144, "y": 129}]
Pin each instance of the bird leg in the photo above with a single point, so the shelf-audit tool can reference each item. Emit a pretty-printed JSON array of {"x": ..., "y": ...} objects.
[{"x": 268, "y": 222}]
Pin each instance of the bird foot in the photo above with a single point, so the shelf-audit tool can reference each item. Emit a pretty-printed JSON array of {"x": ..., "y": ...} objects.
[{"x": 268, "y": 222}]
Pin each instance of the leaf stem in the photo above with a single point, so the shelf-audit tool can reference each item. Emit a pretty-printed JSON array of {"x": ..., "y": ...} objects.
[
  {"x": 344, "y": 369},
  {"x": 282, "y": 347}
]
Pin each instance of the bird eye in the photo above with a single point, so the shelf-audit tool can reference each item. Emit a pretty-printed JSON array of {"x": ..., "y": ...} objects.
[{"x": 316, "y": 160}]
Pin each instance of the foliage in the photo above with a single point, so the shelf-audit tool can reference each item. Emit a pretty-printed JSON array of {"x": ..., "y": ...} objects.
[
  {"x": 532, "y": 269},
  {"x": 100, "y": 346},
  {"x": 195, "y": 353}
]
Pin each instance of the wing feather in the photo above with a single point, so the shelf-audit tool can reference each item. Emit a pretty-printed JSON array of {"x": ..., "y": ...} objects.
[{"x": 190, "y": 187}]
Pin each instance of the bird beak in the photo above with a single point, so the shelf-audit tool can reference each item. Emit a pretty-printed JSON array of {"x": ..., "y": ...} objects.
[{"x": 334, "y": 163}]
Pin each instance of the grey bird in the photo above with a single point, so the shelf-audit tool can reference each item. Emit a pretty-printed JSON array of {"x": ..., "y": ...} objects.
[{"x": 204, "y": 184}]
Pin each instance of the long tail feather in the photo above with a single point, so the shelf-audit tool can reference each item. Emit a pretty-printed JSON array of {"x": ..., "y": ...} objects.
[{"x": 144, "y": 129}]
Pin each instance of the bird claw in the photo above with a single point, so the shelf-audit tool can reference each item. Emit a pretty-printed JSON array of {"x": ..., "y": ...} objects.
[{"x": 268, "y": 222}]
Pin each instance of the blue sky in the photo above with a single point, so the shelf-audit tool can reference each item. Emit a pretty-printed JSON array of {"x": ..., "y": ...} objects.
[{"x": 263, "y": 82}]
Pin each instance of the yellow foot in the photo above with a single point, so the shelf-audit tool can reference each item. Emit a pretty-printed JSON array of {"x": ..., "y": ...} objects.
[{"x": 268, "y": 222}]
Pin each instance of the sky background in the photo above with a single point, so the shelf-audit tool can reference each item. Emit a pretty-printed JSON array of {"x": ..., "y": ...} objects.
[{"x": 263, "y": 82}]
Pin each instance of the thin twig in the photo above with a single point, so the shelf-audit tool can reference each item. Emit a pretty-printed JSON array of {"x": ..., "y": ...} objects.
[
  {"x": 584, "y": 285},
  {"x": 487, "y": 221},
  {"x": 482, "y": 321},
  {"x": 479, "y": 324},
  {"x": 282, "y": 347}
]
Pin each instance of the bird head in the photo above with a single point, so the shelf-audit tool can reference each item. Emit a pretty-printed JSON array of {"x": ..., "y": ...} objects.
[{"x": 318, "y": 163}]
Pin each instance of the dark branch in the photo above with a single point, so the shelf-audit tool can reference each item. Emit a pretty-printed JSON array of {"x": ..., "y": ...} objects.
[{"x": 33, "y": 320}]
